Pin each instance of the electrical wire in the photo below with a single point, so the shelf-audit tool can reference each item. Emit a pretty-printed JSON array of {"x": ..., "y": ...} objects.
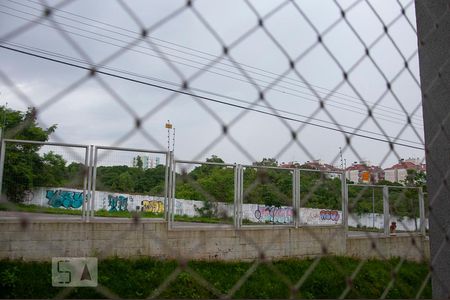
[
  {"x": 348, "y": 107},
  {"x": 66, "y": 57},
  {"x": 199, "y": 51},
  {"x": 210, "y": 99}
]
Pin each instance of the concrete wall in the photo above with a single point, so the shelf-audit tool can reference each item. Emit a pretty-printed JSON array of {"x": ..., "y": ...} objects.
[
  {"x": 44, "y": 239},
  {"x": 256, "y": 213},
  {"x": 409, "y": 247}
]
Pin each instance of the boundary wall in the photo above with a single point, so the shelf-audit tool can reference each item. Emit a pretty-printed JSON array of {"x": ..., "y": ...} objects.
[{"x": 43, "y": 239}]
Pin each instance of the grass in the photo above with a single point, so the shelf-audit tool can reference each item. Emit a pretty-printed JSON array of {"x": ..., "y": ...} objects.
[
  {"x": 19, "y": 207},
  {"x": 140, "y": 278},
  {"x": 127, "y": 214},
  {"x": 371, "y": 229},
  {"x": 199, "y": 219}
]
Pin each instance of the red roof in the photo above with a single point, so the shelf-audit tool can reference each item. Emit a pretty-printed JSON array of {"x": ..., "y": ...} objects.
[
  {"x": 363, "y": 167},
  {"x": 404, "y": 165}
]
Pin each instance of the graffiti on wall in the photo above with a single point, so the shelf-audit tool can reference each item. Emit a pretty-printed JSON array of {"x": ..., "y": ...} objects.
[
  {"x": 332, "y": 215},
  {"x": 272, "y": 214},
  {"x": 66, "y": 199},
  {"x": 118, "y": 203},
  {"x": 152, "y": 206}
]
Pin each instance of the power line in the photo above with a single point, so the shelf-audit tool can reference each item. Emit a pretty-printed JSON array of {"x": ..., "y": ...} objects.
[
  {"x": 196, "y": 50},
  {"x": 90, "y": 69},
  {"x": 66, "y": 57},
  {"x": 348, "y": 107}
]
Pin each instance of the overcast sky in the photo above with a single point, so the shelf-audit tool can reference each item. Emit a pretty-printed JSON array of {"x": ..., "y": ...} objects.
[{"x": 84, "y": 32}]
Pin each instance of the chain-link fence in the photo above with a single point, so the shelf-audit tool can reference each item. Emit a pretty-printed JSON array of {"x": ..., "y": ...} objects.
[
  {"x": 386, "y": 209},
  {"x": 309, "y": 85}
]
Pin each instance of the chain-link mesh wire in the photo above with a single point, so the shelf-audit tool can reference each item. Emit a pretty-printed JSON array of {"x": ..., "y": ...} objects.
[{"x": 372, "y": 96}]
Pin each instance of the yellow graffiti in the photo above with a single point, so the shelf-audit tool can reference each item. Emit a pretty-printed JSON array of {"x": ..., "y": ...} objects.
[{"x": 152, "y": 206}]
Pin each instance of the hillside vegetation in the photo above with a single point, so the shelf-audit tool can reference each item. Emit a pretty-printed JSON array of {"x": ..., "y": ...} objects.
[{"x": 140, "y": 278}]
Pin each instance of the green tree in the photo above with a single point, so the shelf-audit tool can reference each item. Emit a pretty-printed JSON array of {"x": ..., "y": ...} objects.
[
  {"x": 268, "y": 162},
  {"x": 54, "y": 168},
  {"x": 219, "y": 184},
  {"x": 75, "y": 173},
  {"x": 151, "y": 181},
  {"x": 138, "y": 162},
  {"x": 267, "y": 186},
  {"x": 205, "y": 170},
  {"x": 415, "y": 178},
  {"x": 125, "y": 182},
  {"x": 23, "y": 168}
]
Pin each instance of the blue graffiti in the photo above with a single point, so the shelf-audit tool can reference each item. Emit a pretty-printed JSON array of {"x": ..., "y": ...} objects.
[
  {"x": 118, "y": 203},
  {"x": 67, "y": 199}
]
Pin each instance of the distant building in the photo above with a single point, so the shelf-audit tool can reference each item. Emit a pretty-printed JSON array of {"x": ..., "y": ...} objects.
[
  {"x": 292, "y": 164},
  {"x": 363, "y": 172},
  {"x": 399, "y": 171},
  {"x": 147, "y": 161},
  {"x": 318, "y": 164}
]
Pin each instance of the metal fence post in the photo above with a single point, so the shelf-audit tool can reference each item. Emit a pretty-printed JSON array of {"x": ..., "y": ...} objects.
[
  {"x": 386, "y": 210},
  {"x": 422, "y": 212},
  {"x": 173, "y": 188},
  {"x": 86, "y": 183},
  {"x": 433, "y": 26},
  {"x": 241, "y": 194},
  {"x": 2, "y": 164},
  {"x": 297, "y": 220},
  {"x": 169, "y": 190},
  {"x": 344, "y": 190},
  {"x": 93, "y": 165},
  {"x": 240, "y": 188},
  {"x": 236, "y": 195},
  {"x": 166, "y": 188}
]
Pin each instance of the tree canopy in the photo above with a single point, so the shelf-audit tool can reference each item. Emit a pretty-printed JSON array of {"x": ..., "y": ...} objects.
[{"x": 24, "y": 168}]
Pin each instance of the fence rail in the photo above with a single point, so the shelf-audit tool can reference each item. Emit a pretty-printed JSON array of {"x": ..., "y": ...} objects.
[{"x": 291, "y": 212}]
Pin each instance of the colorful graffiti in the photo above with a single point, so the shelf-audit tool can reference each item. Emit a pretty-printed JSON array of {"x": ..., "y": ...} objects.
[
  {"x": 66, "y": 199},
  {"x": 272, "y": 214},
  {"x": 118, "y": 203},
  {"x": 332, "y": 215},
  {"x": 152, "y": 206}
]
